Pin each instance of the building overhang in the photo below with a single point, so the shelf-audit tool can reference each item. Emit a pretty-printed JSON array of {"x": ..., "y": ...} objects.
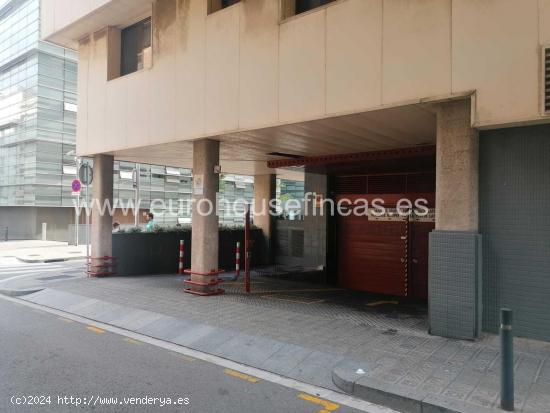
[
  {"x": 81, "y": 20},
  {"x": 410, "y": 129}
]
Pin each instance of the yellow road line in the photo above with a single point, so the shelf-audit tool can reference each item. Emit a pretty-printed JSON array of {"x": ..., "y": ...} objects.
[
  {"x": 241, "y": 376},
  {"x": 377, "y": 303},
  {"x": 293, "y": 299},
  {"x": 65, "y": 320},
  {"x": 241, "y": 282},
  {"x": 95, "y": 329},
  {"x": 131, "y": 340},
  {"x": 327, "y": 406},
  {"x": 306, "y": 290}
]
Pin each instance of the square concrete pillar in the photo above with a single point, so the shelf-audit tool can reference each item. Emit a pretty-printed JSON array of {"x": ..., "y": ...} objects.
[
  {"x": 102, "y": 202},
  {"x": 265, "y": 187},
  {"x": 205, "y": 227},
  {"x": 455, "y": 245},
  {"x": 457, "y": 169}
]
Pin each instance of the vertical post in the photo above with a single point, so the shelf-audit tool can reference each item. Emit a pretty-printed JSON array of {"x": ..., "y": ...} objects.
[
  {"x": 87, "y": 223},
  {"x": 507, "y": 361},
  {"x": 77, "y": 212},
  {"x": 136, "y": 195},
  {"x": 182, "y": 252},
  {"x": 44, "y": 231},
  {"x": 238, "y": 260},
  {"x": 247, "y": 250}
]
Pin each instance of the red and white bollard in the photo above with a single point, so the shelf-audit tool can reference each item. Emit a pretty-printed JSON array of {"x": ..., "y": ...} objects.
[
  {"x": 238, "y": 260},
  {"x": 182, "y": 252}
]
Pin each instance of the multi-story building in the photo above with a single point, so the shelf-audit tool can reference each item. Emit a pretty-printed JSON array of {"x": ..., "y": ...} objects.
[
  {"x": 37, "y": 123},
  {"x": 38, "y": 109},
  {"x": 444, "y": 101}
]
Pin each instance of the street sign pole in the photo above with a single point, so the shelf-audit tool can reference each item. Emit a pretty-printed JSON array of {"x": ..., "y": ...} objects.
[
  {"x": 77, "y": 220},
  {"x": 136, "y": 200},
  {"x": 86, "y": 176},
  {"x": 77, "y": 212},
  {"x": 88, "y": 222}
]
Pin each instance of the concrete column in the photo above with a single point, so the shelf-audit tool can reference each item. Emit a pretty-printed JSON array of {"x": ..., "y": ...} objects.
[
  {"x": 102, "y": 195},
  {"x": 204, "y": 244},
  {"x": 315, "y": 226},
  {"x": 455, "y": 274},
  {"x": 264, "y": 192},
  {"x": 457, "y": 169}
]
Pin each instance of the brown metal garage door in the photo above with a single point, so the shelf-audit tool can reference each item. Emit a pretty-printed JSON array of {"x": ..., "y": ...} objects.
[
  {"x": 373, "y": 255},
  {"x": 387, "y": 255}
]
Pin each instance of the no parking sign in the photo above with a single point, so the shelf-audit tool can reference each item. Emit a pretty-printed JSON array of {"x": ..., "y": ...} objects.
[{"x": 76, "y": 186}]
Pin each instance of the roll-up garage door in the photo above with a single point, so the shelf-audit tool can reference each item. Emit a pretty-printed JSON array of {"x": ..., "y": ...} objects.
[
  {"x": 389, "y": 254},
  {"x": 373, "y": 255}
]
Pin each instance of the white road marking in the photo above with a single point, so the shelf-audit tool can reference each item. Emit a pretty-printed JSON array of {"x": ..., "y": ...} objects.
[
  {"x": 299, "y": 386},
  {"x": 24, "y": 270}
]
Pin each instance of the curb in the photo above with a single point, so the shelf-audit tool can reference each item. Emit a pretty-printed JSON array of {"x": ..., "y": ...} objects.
[
  {"x": 19, "y": 293},
  {"x": 47, "y": 260},
  {"x": 346, "y": 378}
]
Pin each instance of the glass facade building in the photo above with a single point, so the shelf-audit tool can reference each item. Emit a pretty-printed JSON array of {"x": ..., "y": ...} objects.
[{"x": 38, "y": 110}]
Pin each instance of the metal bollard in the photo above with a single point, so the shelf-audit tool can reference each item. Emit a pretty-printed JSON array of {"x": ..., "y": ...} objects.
[
  {"x": 180, "y": 261},
  {"x": 44, "y": 231},
  {"x": 6, "y": 234},
  {"x": 506, "y": 361},
  {"x": 238, "y": 260}
]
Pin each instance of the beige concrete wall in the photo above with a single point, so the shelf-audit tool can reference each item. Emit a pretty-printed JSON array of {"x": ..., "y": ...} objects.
[
  {"x": 241, "y": 68},
  {"x": 57, "y": 14}
]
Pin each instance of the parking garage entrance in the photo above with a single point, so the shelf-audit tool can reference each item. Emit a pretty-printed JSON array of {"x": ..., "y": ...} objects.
[
  {"x": 385, "y": 250},
  {"x": 380, "y": 242}
]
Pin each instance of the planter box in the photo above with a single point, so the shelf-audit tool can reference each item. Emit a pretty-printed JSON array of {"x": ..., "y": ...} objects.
[{"x": 158, "y": 253}]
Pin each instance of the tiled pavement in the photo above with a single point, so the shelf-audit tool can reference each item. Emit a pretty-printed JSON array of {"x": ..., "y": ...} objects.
[{"x": 304, "y": 331}]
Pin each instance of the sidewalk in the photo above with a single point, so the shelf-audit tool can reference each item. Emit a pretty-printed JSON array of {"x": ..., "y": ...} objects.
[
  {"x": 33, "y": 251},
  {"x": 318, "y": 335}
]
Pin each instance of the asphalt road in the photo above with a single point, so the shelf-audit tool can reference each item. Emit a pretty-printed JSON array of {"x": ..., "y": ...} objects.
[
  {"x": 11, "y": 268},
  {"x": 47, "y": 359}
]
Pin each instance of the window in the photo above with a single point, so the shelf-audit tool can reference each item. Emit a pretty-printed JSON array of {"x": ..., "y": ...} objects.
[
  {"x": 293, "y": 7},
  {"x": 135, "y": 47},
  {"x": 216, "y": 5}
]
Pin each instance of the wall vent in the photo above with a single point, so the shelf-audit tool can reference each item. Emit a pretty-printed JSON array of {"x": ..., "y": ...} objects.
[{"x": 546, "y": 77}]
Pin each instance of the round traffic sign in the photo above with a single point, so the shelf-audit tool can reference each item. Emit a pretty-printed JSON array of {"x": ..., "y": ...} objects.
[
  {"x": 76, "y": 185},
  {"x": 86, "y": 174}
]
